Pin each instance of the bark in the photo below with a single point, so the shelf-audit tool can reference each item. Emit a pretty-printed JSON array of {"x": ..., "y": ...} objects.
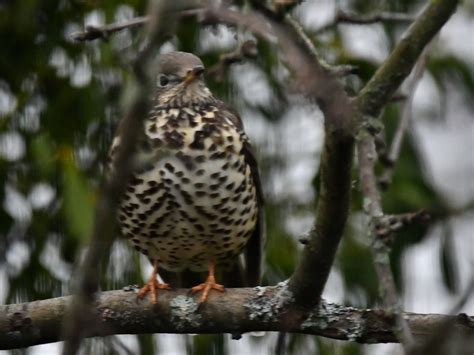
[{"x": 237, "y": 311}]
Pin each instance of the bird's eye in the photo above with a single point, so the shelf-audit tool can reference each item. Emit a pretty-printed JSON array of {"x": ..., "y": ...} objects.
[{"x": 164, "y": 80}]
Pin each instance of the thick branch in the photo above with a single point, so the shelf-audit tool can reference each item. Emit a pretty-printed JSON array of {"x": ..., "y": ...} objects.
[
  {"x": 316, "y": 82},
  {"x": 239, "y": 310}
]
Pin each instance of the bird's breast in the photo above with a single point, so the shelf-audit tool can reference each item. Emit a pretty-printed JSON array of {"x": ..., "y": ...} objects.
[{"x": 192, "y": 198}]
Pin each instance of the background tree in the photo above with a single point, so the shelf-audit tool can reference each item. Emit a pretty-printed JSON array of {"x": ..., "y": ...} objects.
[{"x": 60, "y": 101}]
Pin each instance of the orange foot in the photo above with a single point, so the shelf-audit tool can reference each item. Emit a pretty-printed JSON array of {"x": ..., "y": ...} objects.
[
  {"x": 152, "y": 286},
  {"x": 207, "y": 286}
]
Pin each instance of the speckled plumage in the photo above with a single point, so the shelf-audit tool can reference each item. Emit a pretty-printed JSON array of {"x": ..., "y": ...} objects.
[{"x": 195, "y": 196}]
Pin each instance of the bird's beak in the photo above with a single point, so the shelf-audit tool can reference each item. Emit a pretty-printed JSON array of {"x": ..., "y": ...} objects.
[{"x": 193, "y": 74}]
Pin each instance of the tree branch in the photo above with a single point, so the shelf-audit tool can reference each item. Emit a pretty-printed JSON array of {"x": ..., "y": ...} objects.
[
  {"x": 247, "y": 50},
  {"x": 355, "y": 19},
  {"x": 315, "y": 82},
  {"x": 91, "y": 33},
  {"x": 80, "y": 317},
  {"x": 380, "y": 246},
  {"x": 391, "y": 157},
  {"x": 339, "y": 70},
  {"x": 239, "y": 310},
  {"x": 370, "y": 102},
  {"x": 378, "y": 91},
  {"x": 394, "y": 223}
]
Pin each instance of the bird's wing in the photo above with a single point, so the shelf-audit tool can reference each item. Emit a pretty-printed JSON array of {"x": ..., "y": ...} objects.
[
  {"x": 254, "y": 248},
  {"x": 253, "y": 253}
]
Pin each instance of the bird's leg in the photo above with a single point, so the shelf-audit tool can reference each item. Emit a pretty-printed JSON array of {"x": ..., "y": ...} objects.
[
  {"x": 210, "y": 284},
  {"x": 153, "y": 285}
]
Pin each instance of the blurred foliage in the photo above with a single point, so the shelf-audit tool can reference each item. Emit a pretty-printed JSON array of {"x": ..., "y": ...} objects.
[{"x": 60, "y": 102}]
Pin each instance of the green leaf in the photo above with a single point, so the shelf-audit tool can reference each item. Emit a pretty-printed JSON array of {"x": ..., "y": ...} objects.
[
  {"x": 78, "y": 205},
  {"x": 43, "y": 154}
]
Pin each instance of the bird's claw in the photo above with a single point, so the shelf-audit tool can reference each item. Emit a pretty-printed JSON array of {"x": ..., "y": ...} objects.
[
  {"x": 206, "y": 287},
  {"x": 152, "y": 286}
]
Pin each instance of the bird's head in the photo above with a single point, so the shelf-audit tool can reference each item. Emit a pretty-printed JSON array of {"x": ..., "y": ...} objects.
[{"x": 180, "y": 79}]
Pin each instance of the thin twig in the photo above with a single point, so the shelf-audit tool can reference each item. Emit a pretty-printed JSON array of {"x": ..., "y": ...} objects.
[
  {"x": 389, "y": 76},
  {"x": 95, "y": 32},
  {"x": 390, "y": 224},
  {"x": 205, "y": 16},
  {"x": 394, "y": 152},
  {"x": 370, "y": 102},
  {"x": 340, "y": 70},
  {"x": 380, "y": 249},
  {"x": 355, "y": 19},
  {"x": 247, "y": 50}
]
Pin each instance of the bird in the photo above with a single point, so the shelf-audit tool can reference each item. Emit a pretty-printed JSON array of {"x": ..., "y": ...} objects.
[{"x": 194, "y": 202}]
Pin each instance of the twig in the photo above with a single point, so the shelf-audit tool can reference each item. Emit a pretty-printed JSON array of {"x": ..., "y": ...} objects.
[
  {"x": 380, "y": 249},
  {"x": 347, "y": 17},
  {"x": 341, "y": 70},
  {"x": 239, "y": 310},
  {"x": 247, "y": 50},
  {"x": 355, "y": 19},
  {"x": 391, "y": 158},
  {"x": 390, "y": 224},
  {"x": 182, "y": 9},
  {"x": 205, "y": 17},
  {"x": 378, "y": 91},
  {"x": 370, "y": 101},
  {"x": 80, "y": 316},
  {"x": 95, "y": 32}
]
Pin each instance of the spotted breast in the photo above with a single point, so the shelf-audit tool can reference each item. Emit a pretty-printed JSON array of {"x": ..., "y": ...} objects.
[{"x": 194, "y": 200}]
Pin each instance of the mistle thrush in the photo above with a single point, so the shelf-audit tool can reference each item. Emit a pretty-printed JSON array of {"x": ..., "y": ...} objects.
[{"x": 194, "y": 201}]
